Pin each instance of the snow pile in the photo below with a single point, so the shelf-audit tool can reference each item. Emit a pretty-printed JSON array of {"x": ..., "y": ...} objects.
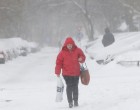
[{"x": 124, "y": 42}]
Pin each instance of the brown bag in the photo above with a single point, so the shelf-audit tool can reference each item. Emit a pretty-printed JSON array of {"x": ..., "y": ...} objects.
[{"x": 85, "y": 76}]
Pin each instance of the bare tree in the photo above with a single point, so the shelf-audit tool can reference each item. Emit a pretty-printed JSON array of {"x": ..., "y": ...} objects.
[
  {"x": 131, "y": 9},
  {"x": 84, "y": 10}
]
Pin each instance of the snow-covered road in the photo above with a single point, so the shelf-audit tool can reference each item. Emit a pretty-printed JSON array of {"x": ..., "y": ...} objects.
[{"x": 29, "y": 83}]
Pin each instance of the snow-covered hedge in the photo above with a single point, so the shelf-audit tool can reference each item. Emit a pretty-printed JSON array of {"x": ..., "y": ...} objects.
[{"x": 14, "y": 47}]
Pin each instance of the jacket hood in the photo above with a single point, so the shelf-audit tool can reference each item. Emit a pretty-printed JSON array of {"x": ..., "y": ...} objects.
[{"x": 69, "y": 40}]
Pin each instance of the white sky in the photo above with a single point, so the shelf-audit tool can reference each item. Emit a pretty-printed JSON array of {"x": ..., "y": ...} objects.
[{"x": 30, "y": 83}]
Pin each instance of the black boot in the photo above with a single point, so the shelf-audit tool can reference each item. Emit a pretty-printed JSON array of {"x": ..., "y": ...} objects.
[
  {"x": 70, "y": 105},
  {"x": 75, "y": 103}
]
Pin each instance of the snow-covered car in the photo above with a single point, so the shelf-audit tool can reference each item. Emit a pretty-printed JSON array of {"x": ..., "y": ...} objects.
[
  {"x": 23, "y": 51},
  {"x": 124, "y": 42},
  {"x": 2, "y": 57}
]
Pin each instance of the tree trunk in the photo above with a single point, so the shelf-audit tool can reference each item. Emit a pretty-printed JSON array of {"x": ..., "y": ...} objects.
[
  {"x": 86, "y": 14},
  {"x": 90, "y": 25}
]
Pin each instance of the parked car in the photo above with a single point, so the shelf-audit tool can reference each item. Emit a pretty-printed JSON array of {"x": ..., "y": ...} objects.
[
  {"x": 2, "y": 57},
  {"x": 23, "y": 51}
]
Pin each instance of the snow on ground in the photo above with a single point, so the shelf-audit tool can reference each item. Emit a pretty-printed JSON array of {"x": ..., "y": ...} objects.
[{"x": 29, "y": 83}]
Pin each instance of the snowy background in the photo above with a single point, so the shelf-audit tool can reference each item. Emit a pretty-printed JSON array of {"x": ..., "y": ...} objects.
[{"x": 29, "y": 83}]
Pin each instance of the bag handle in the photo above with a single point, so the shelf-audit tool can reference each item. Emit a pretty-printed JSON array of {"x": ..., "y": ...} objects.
[
  {"x": 82, "y": 67},
  {"x": 85, "y": 64}
]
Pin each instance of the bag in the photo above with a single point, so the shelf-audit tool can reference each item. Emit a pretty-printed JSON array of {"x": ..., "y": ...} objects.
[
  {"x": 59, "y": 90},
  {"x": 84, "y": 75}
]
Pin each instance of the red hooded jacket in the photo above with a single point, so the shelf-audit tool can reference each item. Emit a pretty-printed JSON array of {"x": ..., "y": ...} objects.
[{"x": 68, "y": 60}]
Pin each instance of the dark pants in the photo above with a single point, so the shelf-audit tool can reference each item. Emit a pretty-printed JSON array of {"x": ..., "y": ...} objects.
[{"x": 72, "y": 87}]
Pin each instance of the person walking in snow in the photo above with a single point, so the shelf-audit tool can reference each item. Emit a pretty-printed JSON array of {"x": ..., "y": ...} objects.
[
  {"x": 69, "y": 59},
  {"x": 108, "y": 38}
]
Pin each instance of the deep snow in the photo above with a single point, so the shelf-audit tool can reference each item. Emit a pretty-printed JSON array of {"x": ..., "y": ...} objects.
[{"x": 30, "y": 83}]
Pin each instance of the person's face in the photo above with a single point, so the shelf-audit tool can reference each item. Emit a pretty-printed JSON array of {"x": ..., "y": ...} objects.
[{"x": 69, "y": 46}]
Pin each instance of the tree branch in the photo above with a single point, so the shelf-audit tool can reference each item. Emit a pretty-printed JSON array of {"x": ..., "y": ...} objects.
[
  {"x": 131, "y": 7},
  {"x": 82, "y": 9}
]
